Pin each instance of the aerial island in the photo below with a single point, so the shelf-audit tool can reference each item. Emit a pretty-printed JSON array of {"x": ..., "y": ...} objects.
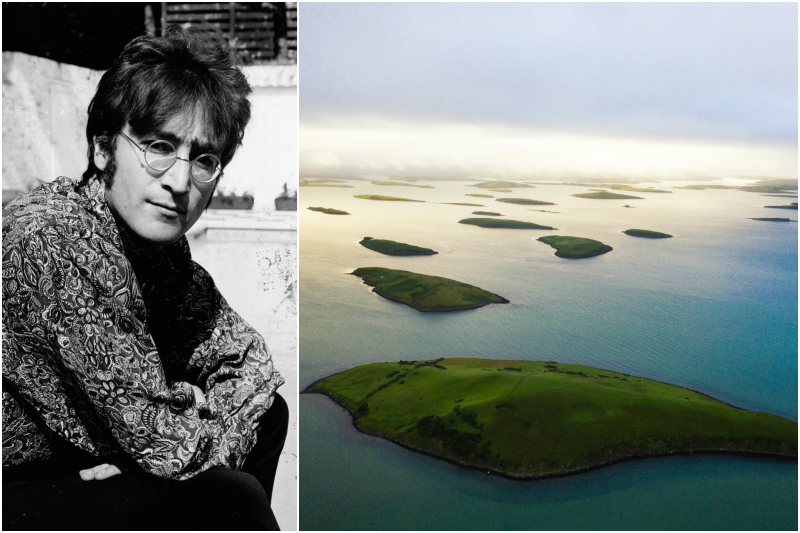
[
  {"x": 605, "y": 195},
  {"x": 575, "y": 247},
  {"x": 487, "y": 213},
  {"x": 773, "y": 219},
  {"x": 480, "y": 195},
  {"x": 646, "y": 234},
  {"x": 425, "y": 293},
  {"x": 394, "y": 248},
  {"x": 398, "y": 184},
  {"x": 328, "y": 211},
  {"x": 531, "y": 419},
  {"x": 385, "y": 198},
  {"x": 793, "y": 205},
  {"x": 522, "y": 201},
  {"x": 501, "y": 190},
  {"x": 462, "y": 203},
  {"x": 500, "y": 223},
  {"x": 502, "y": 185}
]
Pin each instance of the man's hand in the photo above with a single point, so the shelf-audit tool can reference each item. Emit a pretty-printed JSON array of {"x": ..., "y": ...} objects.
[
  {"x": 103, "y": 471},
  {"x": 199, "y": 397}
]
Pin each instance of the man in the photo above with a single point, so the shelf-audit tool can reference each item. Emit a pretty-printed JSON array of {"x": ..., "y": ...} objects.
[{"x": 134, "y": 397}]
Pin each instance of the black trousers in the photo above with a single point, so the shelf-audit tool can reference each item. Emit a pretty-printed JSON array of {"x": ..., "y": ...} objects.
[{"x": 50, "y": 495}]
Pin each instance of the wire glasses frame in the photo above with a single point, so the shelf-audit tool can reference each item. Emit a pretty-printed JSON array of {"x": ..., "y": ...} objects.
[{"x": 160, "y": 155}]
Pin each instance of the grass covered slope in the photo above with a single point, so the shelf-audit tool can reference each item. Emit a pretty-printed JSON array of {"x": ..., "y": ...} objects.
[
  {"x": 425, "y": 293},
  {"x": 534, "y": 418},
  {"x": 394, "y": 248},
  {"x": 575, "y": 247},
  {"x": 647, "y": 234},
  {"x": 328, "y": 211},
  {"x": 385, "y": 198},
  {"x": 498, "y": 223},
  {"x": 605, "y": 195}
]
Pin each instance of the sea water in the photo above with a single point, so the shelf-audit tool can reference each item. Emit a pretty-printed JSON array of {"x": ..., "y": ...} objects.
[{"x": 712, "y": 309}]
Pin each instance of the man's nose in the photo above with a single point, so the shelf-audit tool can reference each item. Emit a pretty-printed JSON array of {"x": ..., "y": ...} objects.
[{"x": 178, "y": 178}]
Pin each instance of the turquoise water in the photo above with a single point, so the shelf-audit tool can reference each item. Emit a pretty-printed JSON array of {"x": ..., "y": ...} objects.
[{"x": 713, "y": 309}]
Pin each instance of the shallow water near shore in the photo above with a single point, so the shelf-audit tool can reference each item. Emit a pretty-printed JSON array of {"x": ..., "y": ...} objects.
[{"x": 713, "y": 309}]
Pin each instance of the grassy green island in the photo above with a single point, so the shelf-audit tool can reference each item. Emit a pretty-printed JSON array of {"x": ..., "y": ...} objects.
[
  {"x": 425, "y": 293},
  {"x": 398, "y": 184},
  {"x": 480, "y": 195},
  {"x": 328, "y": 211},
  {"x": 502, "y": 185},
  {"x": 462, "y": 203},
  {"x": 605, "y": 195},
  {"x": 522, "y": 201},
  {"x": 646, "y": 234},
  {"x": 791, "y": 206},
  {"x": 385, "y": 198},
  {"x": 501, "y": 190},
  {"x": 575, "y": 247},
  {"x": 773, "y": 219},
  {"x": 487, "y": 213},
  {"x": 394, "y": 248},
  {"x": 500, "y": 223},
  {"x": 529, "y": 419}
]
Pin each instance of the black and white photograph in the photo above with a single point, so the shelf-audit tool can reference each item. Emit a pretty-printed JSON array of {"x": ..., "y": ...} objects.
[{"x": 150, "y": 266}]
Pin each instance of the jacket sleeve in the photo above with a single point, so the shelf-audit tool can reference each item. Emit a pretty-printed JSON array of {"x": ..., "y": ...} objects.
[
  {"x": 81, "y": 344},
  {"x": 237, "y": 375}
]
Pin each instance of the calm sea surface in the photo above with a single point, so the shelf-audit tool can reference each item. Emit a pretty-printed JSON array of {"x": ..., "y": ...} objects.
[{"x": 713, "y": 309}]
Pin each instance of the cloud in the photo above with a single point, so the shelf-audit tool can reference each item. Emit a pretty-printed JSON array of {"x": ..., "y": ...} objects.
[
  {"x": 371, "y": 145},
  {"x": 713, "y": 70}
]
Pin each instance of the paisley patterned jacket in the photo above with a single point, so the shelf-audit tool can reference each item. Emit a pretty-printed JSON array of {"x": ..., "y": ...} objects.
[{"x": 101, "y": 344}]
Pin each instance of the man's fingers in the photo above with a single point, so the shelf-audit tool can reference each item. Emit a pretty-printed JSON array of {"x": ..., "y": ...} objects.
[
  {"x": 107, "y": 472},
  {"x": 103, "y": 471}
]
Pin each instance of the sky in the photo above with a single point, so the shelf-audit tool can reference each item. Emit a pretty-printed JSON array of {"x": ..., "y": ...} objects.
[{"x": 663, "y": 90}]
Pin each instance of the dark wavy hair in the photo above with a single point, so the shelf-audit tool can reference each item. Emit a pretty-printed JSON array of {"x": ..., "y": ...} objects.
[{"x": 156, "y": 79}]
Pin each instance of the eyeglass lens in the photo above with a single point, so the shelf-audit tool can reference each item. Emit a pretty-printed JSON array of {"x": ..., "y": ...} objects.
[{"x": 161, "y": 155}]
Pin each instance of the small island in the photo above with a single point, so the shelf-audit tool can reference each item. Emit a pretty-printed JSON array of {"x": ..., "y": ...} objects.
[
  {"x": 328, "y": 211},
  {"x": 532, "y": 419},
  {"x": 773, "y": 219},
  {"x": 487, "y": 213},
  {"x": 646, "y": 234},
  {"x": 575, "y": 247},
  {"x": 462, "y": 203},
  {"x": 426, "y": 293},
  {"x": 502, "y": 185},
  {"x": 387, "y": 247},
  {"x": 498, "y": 223},
  {"x": 501, "y": 190},
  {"x": 605, "y": 195},
  {"x": 791, "y": 206},
  {"x": 385, "y": 198},
  {"x": 480, "y": 195},
  {"x": 522, "y": 201},
  {"x": 398, "y": 184},
  {"x": 324, "y": 183}
]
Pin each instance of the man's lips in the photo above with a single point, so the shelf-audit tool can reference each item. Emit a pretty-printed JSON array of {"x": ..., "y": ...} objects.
[{"x": 169, "y": 207}]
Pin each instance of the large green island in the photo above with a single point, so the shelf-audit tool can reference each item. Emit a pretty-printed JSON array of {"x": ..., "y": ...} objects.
[
  {"x": 328, "y": 210},
  {"x": 530, "y": 419},
  {"x": 388, "y": 247},
  {"x": 575, "y": 247},
  {"x": 425, "y": 293},
  {"x": 502, "y": 223}
]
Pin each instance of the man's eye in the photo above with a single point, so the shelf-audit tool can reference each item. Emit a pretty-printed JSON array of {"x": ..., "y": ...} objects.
[
  {"x": 206, "y": 163},
  {"x": 160, "y": 148}
]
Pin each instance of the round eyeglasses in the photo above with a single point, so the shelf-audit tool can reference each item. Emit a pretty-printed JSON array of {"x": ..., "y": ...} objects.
[{"x": 161, "y": 155}]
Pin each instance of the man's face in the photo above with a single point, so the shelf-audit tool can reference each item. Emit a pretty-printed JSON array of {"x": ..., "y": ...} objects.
[{"x": 158, "y": 206}]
